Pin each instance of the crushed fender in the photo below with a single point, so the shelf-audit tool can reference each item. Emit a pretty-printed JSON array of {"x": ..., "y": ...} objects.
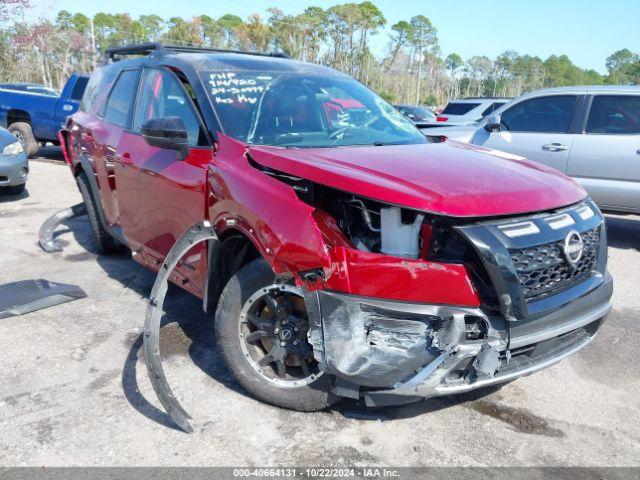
[
  {"x": 26, "y": 296},
  {"x": 47, "y": 229},
  {"x": 200, "y": 232}
]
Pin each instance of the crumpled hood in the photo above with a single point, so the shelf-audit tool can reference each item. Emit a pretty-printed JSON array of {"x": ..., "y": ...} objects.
[{"x": 449, "y": 178}]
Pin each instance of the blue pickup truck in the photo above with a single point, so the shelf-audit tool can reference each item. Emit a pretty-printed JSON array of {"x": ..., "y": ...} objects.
[{"x": 35, "y": 118}]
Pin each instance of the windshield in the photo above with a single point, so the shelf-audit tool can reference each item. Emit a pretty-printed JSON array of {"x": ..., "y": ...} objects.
[{"x": 304, "y": 111}]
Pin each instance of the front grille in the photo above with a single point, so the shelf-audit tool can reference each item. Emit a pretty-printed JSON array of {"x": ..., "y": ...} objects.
[{"x": 543, "y": 269}]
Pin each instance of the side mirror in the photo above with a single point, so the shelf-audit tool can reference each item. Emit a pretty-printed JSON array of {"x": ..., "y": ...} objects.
[
  {"x": 494, "y": 123},
  {"x": 167, "y": 132}
]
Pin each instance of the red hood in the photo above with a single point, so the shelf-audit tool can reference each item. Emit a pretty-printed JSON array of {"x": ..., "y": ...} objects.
[{"x": 447, "y": 178}]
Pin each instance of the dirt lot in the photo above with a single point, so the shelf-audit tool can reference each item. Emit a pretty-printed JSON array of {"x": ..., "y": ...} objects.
[{"x": 74, "y": 390}]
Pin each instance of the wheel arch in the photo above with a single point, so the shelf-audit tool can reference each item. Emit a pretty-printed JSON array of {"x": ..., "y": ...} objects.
[
  {"x": 234, "y": 248},
  {"x": 17, "y": 115}
]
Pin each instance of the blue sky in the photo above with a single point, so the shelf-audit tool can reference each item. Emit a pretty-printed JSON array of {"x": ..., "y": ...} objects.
[{"x": 586, "y": 30}]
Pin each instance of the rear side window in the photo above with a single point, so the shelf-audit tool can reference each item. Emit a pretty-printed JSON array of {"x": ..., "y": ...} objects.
[
  {"x": 98, "y": 88},
  {"x": 121, "y": 99},
  {"x": 454, "y": 108},
  {"x": 614, "y": 114},
  {"x": 78, "y": 88},
  {"x": 542, "y": 115}
]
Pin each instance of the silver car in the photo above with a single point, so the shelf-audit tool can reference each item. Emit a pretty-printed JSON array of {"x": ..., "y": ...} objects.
[
  {"x": 14, "y": 166},
  {"x": 590, "y": 133}
]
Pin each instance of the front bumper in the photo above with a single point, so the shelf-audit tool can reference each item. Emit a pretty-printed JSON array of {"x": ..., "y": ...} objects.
[
  {"x": 393, "y": 352},
  {"x": 14, "y": 170}
]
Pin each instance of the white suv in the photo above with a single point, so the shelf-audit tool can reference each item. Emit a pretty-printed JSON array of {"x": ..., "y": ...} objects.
[{"x": 468, "y": 110}]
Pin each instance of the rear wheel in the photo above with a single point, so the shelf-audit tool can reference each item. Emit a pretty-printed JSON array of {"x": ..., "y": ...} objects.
[
  {"x": 23, "y": 132},
  {"x": 261, "y": 331},
  {"x": 105, "y": 243}
]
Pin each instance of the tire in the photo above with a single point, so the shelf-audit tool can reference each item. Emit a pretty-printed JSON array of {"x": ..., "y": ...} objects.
[
  {"x": 23, "y": 132},
  {"x": 105, "y": 243},
  {"x": 252, "y": 278},
  {"x": 14, "y": 190}
]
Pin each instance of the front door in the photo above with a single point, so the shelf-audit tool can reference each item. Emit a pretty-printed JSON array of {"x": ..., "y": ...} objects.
[
  {"x": 538, "y": 129},
  {"x": 168, "y": 194}
]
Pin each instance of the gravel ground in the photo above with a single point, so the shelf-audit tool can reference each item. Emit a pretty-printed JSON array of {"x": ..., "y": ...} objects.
[{"x": 74, "y": 389}]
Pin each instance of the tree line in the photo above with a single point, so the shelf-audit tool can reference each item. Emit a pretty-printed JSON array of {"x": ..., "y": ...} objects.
[{"x": 411, "y": 69}]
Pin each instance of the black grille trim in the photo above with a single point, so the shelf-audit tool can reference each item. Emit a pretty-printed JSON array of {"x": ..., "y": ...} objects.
[{"x": 543, "y": 270}]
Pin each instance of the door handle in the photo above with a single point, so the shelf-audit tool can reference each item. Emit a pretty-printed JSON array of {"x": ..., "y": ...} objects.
[
  {"x": 638, "y": 151},
  {"x": 555, "y": 147}
]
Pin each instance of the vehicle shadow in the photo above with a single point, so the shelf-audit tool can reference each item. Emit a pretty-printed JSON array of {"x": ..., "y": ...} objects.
[
  {"x": 623, "y": 231},
  {"x": 50, "y": 152},
  {"x": 197, "y": 328},
  {"x": 6, "y": 198}
]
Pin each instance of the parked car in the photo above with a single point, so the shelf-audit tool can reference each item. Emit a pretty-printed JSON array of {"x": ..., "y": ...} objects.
[
  {"x": 352, "y": 258},
  {"x": 35, "y": 117},
  {"x": 14, "y": 167},
  {"x": 416, "y": 113},
  {"x": 467, "y": 111},
  {"x": 30, "y": 87},
  {"x": 589, "y": 133}
]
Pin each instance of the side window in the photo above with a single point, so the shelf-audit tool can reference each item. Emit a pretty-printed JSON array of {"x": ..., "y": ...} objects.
[
  {"x": 614, "y": 114},
  {"x": 78, "y": 88},
  {"x": 544, "y": 114},
  {"x": 162, "y": 95},
  {"x": 121, "y": 98}
]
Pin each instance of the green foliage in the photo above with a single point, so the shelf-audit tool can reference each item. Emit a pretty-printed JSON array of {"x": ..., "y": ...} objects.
[{"x": 411, "y": 68}]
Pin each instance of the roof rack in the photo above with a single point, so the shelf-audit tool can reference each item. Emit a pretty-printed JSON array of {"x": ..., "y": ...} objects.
[{"x": 114, "y": 54}]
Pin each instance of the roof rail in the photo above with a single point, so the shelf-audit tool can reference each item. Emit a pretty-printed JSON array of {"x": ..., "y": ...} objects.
[{"x": 113, "y": 54}]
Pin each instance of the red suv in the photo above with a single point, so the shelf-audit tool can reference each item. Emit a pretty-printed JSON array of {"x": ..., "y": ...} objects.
[{"x": 353, "y": 258}]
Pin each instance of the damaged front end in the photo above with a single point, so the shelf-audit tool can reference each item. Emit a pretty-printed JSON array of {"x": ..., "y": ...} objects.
[
  {"x": 418, "y": 306},
  {"x": 389, "y": 352}
]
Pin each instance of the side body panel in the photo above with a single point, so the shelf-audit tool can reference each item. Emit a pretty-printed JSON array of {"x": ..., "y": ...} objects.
[{"x": 608, "y": 167}]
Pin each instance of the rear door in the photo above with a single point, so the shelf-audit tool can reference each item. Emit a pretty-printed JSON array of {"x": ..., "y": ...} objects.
[
  {"x": 166, "y": 195},
  {"x": 606, "y": 158},
  {"x": 538, "y": 129},
  {"x": 116, "y": 113}
]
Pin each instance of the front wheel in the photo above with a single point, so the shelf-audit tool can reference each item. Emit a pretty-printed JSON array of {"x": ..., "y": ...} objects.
[{"x": 261, "y": 331}]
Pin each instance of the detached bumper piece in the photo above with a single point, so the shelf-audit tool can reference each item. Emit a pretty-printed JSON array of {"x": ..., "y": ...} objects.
[
  {"x": 26, "y": 296},
  {"x": 47, "y": 229},
  {"x": 391, "y": 353}
]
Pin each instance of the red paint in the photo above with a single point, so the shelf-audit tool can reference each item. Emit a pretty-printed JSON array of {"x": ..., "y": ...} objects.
[
  {"x": 449, "y": 178},
  {"x": 441, "y": 119},
  {"x": 382, "y": 276}
]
